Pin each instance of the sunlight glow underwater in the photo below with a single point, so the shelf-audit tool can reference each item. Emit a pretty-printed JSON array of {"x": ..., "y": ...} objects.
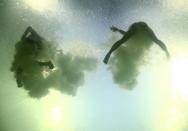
[
  {"x": 173, "y": 114},
  {"x": 56, "y": 114},
  {"x": 55, "y": 109},
  {"x": 178, "y": 78},
  {"x": 179, "y": 70},
  {"x": 42, "y": 5}
]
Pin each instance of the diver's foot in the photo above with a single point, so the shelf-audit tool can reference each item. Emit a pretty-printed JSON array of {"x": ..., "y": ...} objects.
[
  {"x": 105, "y": 61},
  {"x": 106, "y": 58},
  {"x": 19, "y": 83},
  {"x": 50, "y": 65}
]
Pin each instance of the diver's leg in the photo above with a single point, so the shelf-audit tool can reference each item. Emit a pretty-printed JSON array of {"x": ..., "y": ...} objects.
[
  {"x": 25, "y": 33},
  {"x": 18, "y": 77},
  {"x": 32, "y": 33},
  {"x": 158, "y": 42},
  {"x": 114, "y": 47},
  {"x": 33, "y": 37},
  {"x": 19, "y": 83},
  {"x": 163, "y": 47}
]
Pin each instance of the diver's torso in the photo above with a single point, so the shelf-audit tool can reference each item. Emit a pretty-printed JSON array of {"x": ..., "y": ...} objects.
[{"x": 140, "y": 38}]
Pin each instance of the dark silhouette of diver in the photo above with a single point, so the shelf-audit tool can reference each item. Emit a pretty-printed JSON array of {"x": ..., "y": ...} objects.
[
  {"x": 30, "y": 36},
  {"x": 138, "y": 27}
]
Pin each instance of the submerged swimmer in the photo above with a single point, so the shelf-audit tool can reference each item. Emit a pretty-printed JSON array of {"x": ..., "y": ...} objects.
[
  {"x": 134, "y": 29},
  {"x": 28, "y": 49}
]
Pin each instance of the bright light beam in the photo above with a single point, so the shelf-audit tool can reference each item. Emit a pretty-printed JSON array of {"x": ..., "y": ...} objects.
[
  {"x": 56, "y": 115},
  {"x": 42, "y": 5},
  {"x": 180, "y": 5},
  {"x": 179, "y": 75}
]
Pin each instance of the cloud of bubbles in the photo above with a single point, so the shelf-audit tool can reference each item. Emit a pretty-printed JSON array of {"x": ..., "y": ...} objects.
[
  {"x": 67, "y": 76},
  {"x": 126, "y": 61}
]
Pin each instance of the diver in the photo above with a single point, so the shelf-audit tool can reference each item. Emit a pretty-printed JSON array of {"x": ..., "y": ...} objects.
[
  {"x": 135, "y": 28},
  {"x": 30, "y": 36}
]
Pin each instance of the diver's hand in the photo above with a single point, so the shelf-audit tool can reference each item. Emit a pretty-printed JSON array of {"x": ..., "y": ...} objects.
[{"x": 114, "y": 29}]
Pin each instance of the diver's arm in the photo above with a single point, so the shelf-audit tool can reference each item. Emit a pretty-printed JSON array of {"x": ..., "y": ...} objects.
[
  {"x": 114, "y": 29},
  {"x": 160, "y": 43},
  {"x": 126, "y": 36}
]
